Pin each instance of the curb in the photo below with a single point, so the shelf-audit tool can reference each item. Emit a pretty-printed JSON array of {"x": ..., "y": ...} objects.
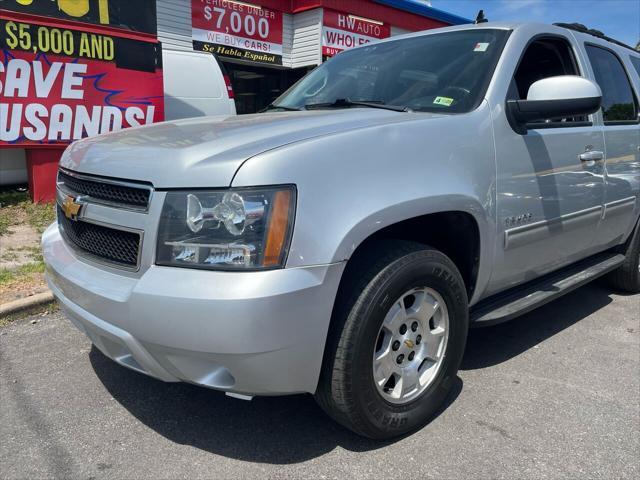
[{"x": 25, "y": 303}]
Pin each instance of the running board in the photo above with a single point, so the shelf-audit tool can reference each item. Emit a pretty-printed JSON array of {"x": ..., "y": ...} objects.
[{"x": 506, "y": 306}]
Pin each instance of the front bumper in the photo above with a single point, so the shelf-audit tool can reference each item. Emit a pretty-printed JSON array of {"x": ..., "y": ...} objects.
[{"x": 255, "y": 333}]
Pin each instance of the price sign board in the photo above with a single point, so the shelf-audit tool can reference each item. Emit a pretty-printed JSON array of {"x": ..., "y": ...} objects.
[
  {"x": 137, "y": 16},
  {"x": 237, "y": 30},
  {"x": 59, "y": 84}
]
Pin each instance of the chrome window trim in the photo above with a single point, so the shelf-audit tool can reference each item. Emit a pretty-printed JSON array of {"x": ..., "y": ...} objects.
[{"x": 89, "y": 199}]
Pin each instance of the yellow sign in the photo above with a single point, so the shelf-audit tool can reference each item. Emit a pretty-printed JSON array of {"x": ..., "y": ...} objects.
[
  {"x": 135, "y": 15},
  {"x": 78, "y": 8},
  {"x": 59, "y": 41}
]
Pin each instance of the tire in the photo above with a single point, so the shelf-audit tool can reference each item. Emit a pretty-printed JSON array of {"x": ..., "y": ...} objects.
[
  {"x": 626, "y": 277},
  {"x": 372, "y": 286}
]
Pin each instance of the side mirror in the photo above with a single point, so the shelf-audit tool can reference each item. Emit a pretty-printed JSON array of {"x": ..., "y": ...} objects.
[{"x": 555, "y": 98}]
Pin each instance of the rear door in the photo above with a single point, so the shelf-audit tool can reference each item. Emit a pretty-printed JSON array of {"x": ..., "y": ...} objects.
[{"x": 619, "y": 118}]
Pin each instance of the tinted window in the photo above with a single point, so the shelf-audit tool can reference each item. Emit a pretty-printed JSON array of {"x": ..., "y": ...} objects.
[
  {"x": 617, "y": 97},
  {"x": 635, "y": 61},
  {"x": 544, "y": 58},
  {"x": 436, "y": 72}
]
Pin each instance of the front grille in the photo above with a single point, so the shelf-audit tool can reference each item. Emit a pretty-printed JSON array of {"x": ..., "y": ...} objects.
[
  {"x": 103, "y": 242},
  {"x": 105, "y": 191}
]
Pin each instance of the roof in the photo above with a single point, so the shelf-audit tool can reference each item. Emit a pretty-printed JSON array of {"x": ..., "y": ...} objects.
[
  {"x": 419, "y": 8},
  {"x": 578, "y": 27}
]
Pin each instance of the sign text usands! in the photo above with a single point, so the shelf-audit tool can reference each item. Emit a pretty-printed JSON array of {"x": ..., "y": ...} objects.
[{"x": 53, "y": 99}]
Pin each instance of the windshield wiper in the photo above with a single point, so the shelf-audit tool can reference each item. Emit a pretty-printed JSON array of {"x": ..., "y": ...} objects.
[
  {"x": 345, "y": 102},
  {"x": 272, "y": 106}
]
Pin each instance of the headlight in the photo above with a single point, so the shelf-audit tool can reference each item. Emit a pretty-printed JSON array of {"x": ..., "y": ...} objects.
[{"x": 226, "y": 230}]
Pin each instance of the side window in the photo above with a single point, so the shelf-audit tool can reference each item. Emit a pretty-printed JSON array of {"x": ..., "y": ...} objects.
[
  {"x": 543, "y": 58},
  {"x": 618, "y": 103}
]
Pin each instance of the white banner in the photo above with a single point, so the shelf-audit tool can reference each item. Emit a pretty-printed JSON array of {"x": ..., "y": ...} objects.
[{"x": 235, "y": 41}]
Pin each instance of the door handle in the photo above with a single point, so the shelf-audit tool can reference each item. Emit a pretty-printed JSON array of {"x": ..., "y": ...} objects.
[{"x": 592, "y": 156}]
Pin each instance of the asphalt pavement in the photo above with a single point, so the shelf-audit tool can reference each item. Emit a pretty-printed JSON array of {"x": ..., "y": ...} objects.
[{"x": 553, "y": 394}]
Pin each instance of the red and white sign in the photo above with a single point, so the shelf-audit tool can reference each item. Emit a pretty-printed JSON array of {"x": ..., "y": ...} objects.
[
  {"x": 49, "y": 99},
  {"x": 237, "y": 25},
  {"x": 341, "y": 31}
]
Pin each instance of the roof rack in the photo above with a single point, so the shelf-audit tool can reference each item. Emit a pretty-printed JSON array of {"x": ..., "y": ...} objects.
[{"x": 578, "y": 27}]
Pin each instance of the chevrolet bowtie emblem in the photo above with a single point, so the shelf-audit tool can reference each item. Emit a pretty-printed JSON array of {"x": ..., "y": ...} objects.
[
  {"x": 408, "y": 343},
  {"x": 71, "y": 208}
]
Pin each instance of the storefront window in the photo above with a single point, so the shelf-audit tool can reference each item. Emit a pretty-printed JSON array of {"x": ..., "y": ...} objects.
[{"x": 256, "y": 87}]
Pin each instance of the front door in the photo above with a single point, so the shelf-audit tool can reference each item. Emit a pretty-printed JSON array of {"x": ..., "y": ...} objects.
[{"x": 550, "y": 186}]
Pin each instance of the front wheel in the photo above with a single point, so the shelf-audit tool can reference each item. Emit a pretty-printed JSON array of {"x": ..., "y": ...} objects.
[{"x": 397, "y": 339}]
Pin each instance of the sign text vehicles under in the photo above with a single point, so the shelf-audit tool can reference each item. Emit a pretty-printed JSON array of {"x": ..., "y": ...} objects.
[{"x": 237, "y": 30}]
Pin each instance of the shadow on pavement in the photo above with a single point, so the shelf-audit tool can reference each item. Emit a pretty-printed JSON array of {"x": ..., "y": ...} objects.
[
  {"x": 285, "y": 430},
  {"x": 274, "y": 430},
  {"x": 493, "y": 345}
]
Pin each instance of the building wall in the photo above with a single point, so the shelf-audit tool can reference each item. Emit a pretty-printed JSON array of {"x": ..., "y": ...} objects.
[
  {"x": 174, "y": 24},
  {"x": 307, "y": 37},
  {"x": 398, "y": 31},
  {"x": 302, "y": 31}
]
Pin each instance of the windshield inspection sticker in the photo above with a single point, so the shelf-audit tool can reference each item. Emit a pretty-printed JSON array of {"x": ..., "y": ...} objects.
[
  {"x": 481, "y": 47},
  {"x": 446, "y": 101}
]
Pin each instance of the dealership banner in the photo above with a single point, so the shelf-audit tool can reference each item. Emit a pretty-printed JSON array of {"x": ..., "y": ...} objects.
[
  {"x": 61, "y": 84},
  {"x": 341, "y": 31},
  {"x": 136, "y": 15},
  {"x": 237, "y": 30}
]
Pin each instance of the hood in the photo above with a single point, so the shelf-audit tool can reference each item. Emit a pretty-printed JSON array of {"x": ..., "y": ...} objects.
[{"x": 207, "y": 151}]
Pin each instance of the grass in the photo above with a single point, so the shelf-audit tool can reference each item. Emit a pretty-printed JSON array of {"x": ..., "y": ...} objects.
[
  {"x": 13, "y": 254},
  {"x": 17, "y": 207},
  {"x": 23, "y": 272}
]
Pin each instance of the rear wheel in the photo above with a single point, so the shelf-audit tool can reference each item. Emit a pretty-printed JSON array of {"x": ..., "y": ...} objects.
[
  {"x": 627, "y": 276},
  {"x": 397, "y": 339}
]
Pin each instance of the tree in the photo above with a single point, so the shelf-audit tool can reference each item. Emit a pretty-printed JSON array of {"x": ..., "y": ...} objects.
[{"x": 638, "y": 46}]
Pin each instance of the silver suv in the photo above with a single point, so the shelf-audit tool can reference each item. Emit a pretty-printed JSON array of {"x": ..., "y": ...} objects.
[{"x": 343, "y": 242}]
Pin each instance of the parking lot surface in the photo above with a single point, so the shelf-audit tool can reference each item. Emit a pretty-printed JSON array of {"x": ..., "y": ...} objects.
[{"x": 555, "y": 393}]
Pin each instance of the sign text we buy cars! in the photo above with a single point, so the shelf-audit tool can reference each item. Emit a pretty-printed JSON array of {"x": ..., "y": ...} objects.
[
  {"x": 237, "y": 30},
  {"x": 60, "y": 83},
  {"x": 341, "y": 31}
]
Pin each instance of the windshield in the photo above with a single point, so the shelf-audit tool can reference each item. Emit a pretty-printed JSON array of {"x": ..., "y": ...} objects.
[{"x": 439, "y": 72}]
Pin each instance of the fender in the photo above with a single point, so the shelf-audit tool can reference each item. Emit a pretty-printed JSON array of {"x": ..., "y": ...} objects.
[{"x": 354, "y": 183}]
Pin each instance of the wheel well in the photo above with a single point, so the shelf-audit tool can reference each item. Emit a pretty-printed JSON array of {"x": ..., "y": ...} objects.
[{"x": 454, "y": 233}]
